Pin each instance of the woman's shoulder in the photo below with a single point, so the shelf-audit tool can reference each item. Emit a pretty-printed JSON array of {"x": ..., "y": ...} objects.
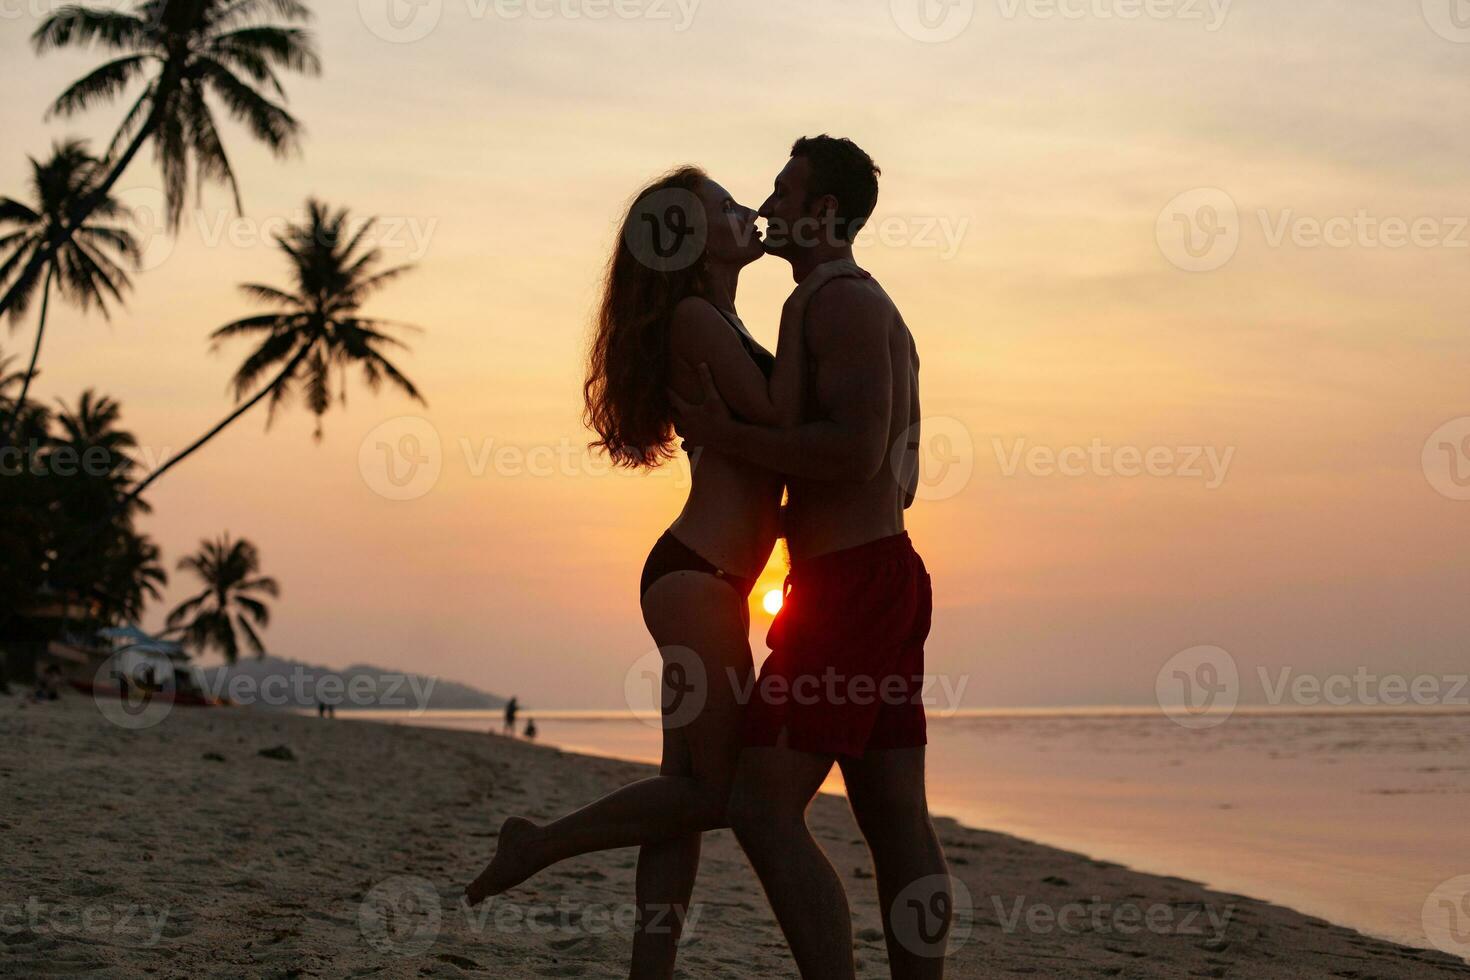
[
  {"x": 697, "y": 326},
  {"x": 694, "y": 310}
]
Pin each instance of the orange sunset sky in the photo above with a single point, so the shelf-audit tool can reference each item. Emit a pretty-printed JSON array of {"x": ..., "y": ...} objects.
[{"x": 1029, "y": 227}]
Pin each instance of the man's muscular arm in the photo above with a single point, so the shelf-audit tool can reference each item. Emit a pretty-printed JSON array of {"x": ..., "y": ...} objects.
[
  {"x": 848, "y": 336},
  {"x": 911, "y": 451}
]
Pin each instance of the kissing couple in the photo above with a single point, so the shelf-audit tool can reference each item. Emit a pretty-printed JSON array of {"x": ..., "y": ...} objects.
[{"x": 830, "y": 423}]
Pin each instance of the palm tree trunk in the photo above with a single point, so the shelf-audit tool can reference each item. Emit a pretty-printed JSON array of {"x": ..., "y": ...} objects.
[
  {"x": 194, "y": 447},
  {"x": 88, "y": 204},
  {"x": 25, "y": 385}
]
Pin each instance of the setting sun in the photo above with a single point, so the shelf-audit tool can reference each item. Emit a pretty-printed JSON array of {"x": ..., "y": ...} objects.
[{"x": 771, "y": 602}]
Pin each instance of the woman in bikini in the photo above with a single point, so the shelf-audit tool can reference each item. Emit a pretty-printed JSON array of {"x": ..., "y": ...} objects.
[{"x": 665, "y": 311}]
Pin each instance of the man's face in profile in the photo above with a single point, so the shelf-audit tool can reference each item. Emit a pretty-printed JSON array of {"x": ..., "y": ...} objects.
[{"x": 791, "y": 226}]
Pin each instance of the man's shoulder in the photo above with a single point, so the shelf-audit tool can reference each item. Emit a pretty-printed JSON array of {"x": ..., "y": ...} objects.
[{"x": 848, "y": 307}]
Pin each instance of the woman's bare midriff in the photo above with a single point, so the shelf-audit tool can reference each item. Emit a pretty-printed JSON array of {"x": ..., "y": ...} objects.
[{"x": 732, "y": 516}]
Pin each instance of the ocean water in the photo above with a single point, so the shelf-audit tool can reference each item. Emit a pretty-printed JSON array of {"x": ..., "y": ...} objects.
[{"x": 1355, "y": 816}]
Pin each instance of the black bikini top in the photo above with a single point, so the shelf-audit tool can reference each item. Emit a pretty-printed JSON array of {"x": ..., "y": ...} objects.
[{"x": 763, "y": 360}]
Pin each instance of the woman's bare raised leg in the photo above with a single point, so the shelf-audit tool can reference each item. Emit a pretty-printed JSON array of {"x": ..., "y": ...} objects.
[{"x": 700, "y": 623}]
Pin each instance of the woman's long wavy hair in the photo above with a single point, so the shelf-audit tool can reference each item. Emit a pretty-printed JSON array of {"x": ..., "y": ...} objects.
[{"x": 628, "y": 364}]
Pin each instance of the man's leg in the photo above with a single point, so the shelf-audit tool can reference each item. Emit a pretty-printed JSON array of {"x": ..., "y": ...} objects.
[
  {"x": 773, "y": 787},
  {"x": 886, "y": 790}
]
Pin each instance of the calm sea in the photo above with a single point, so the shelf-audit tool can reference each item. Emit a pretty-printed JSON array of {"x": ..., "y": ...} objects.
[{"x": 1352, "y": 815}]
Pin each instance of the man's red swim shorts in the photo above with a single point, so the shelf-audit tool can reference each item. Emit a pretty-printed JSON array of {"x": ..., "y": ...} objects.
[{"x": 846, "y": 670}]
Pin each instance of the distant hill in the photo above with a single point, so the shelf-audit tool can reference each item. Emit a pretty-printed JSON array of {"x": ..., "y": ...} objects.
[{"x": 275, "y": 682}]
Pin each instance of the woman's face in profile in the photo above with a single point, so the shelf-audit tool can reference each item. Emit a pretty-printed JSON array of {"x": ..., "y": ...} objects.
[{"x": 733, "y": 237}]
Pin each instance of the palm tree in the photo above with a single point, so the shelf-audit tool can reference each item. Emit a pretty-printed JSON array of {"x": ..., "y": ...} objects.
[
  {"x": 89, "y": 465},
  {"x": 230, "y": 571},
  {"x": 183, "y": 50},
  {"x": 85, "y": 266},
  {"x": 84, "y": 464},
  {"x": 90, "y": 434},
  {"x": 134, "y": 576},
  {"x": 316, "y": 331}
]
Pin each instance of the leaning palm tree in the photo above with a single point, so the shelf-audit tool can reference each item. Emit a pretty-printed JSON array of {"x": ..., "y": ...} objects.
[
  {"x": 230, "y": 605},
  {"x": 317, "y": 330},
  {"x": 86, "y": 266},
  {"x": 182, "y": 50}
]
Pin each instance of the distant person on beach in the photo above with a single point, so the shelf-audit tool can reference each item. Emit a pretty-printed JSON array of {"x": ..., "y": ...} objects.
[
  {"x": 511, "y": 707},
  {"x": 321, "y": 709},
  {"x": 531, "y": 729},
  {"x": 668, "y": 306},
  {"x": 858, "y": 598}
]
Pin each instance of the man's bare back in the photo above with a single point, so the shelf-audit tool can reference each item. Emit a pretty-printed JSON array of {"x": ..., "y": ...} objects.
[{"x": 863, "y": 361}]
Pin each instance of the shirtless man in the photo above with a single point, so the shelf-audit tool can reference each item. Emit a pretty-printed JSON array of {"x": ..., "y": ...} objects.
[{"x": 844, "y": 680}]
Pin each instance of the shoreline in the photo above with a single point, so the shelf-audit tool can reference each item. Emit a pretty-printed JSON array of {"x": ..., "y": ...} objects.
[
  {"x": 349, "y": 857},
  {"x": 1312, "y": 875}
]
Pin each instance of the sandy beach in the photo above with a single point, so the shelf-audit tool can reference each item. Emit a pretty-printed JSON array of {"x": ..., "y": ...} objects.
[{"x": 179, "y": 850}]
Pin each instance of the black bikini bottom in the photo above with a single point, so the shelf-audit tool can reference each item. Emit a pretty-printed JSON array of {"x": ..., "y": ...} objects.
[{"x": 670, "y": 554}]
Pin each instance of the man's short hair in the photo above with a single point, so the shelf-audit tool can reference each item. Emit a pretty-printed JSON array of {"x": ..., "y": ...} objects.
[{"x": 840, "y": 167}]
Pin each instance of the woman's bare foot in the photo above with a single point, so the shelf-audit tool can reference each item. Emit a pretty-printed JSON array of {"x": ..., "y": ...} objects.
[{"x": 516, "y": 859}]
